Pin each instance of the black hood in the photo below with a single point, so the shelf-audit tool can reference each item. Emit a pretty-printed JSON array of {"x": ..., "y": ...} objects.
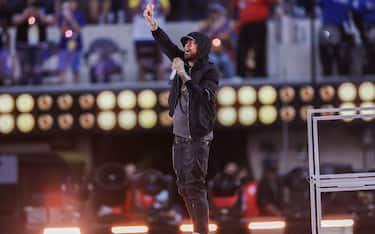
[{"x": 203, "y": 41}]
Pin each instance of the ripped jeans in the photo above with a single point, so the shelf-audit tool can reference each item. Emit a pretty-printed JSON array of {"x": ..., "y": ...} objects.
[{"x": 190, "y": 163}]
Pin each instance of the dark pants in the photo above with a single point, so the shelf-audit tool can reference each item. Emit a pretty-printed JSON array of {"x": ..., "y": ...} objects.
[
  {"x": 252, "y": 36},
  {"x": 190, "y": 162}
]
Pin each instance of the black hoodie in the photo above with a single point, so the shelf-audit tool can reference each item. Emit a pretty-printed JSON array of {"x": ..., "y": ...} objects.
[{"x": 202, "y": 86}]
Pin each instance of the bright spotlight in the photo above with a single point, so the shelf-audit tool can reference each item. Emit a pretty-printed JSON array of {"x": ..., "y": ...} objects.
[
  {"x": 106, "y": 100},
  {"x": 347, "y": 112},
  {"x": 25, "y": 103},
  {"x": 347, "y": 92},
  {"x": 367, "y": 112},
  {"x": 227, "y": 116},
  {"x": 303, "y": 111},
  {"x": 65, "y": 121},
  {"x": 25, "y": 122},
  {"x": 247, "y": 95},
  {"x": 6, "y": 123},
  {"x": 287, "y": 94},
  {"x": 367, "y": 91},
  {"x": 212, "y": 227},
  {"x": 129, "y": 229},
  {"x": 44, "y": 102},
  {"x": 337, "y": 223},
  {"x": 62, "y": 230},
  {"x": 107, "y": 120},
  {"x": 267, "y": 114},
  {"x": 127, "y": 119},
  {"x": 287, "y": 113},
  {"x": 307, "y": 93},
  {"x": 45, "y": 122},
  {"x": 65, "y": 102},
  {"x": 6, "y": 103},
  {"x": 147, "y": 119},
  {"x": 87, "y": 120},
  {"x": 327, "y": 93},
  {"x": 327, "y": 106},
  {"x": 86, "y": 101},
  {"x": 163, "y": 98},
  {"x": 267, "y": 225},
  {"x": 267, "y": 95},
  {"x": 147, "y": 99},
  {"x": 247, "y": 115},
  {"x": 165, "y": 119},
  {"x": 226, "y": 96},
  {"x": 127, "y": 99}
]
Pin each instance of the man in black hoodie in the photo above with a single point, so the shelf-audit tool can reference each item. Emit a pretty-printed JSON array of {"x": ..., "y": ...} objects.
[{"x": 192, "y": 107}]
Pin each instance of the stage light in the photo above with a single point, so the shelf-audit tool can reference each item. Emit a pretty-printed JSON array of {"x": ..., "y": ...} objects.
[
  {"x": 212, "y": 227},
  {"x": 267, "y": 95},
  {"x": 227, "y": 116},
  {"x": 147, "y": 99},
  {"x": 62, "y": 230},
  {"x": 86, "y": 101},
  {"x": 129, "y": 229},
  {"x": 226, "y": 96},
  {"x": 287, "y": 94},
  {"x": 327, "y": 106},
  {"x": 163, "y": 98},
  {"x": 107, "y": 120},
  {"x": 165, "y": 119},
  {"x": 106, "y": 100},
  {"x": 45, "y": 122},
  {"x": 127, "y": 99},
  {"x": 6, "y": 123},
  {"x": 65, "y": 121},
  {"x": 267, "y": 225},
  {"x": 247, "y": 115},
  {"x": 267, "y": 114},
  {"x": 287, "y": 113},
  {"x": 65, "y": 102},
  {"x": 6, "y": 103},
  {"x": 367, "y": 91},
  {"x": 303, "y": 112},
  {"x": 147, "y": 119},
  {"x": 247, "y": 95},
  {"x": 347, "y": 92},
  {"x": 347, "y": 112},
  {"x": 307, "y": 93},
  {"x": 68, "y": 33},
  {"x": 216, "y": 42},
  {"x": 367, "y": 112},
  {"x": 25, "y": 122},
  {"x": 338, "y": 223},
  {"x": 25, "y": 103},
  {"x": 127, "y": 119},
  {"x": 327, "y": 93},
  {"x": 87, "y": 120},
  {"x": 31, "y": 20},
  {"x": 44, "y": 102}
]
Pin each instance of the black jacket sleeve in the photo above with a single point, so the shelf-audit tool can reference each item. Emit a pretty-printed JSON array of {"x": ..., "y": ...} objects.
[
  {"x": 208, "y": 85},
  {"x": 167, "y": 46}
]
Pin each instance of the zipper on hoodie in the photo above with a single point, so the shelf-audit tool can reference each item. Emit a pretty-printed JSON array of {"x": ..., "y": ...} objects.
[{"x": 188, "y": 106}]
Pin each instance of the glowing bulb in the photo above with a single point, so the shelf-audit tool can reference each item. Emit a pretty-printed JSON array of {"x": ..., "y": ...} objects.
[
  {"x": 267, "y": 114},
  {"x": 226, "y": 96},
  {"x": 306, "y": 94},
  {"x": 287, "y": 113},
  {"x": 25, "y": 122},
  {"x": 287, "y": 94},
  {"x": 65, "y": 121},
  {"x": 227, "y": 116},
  {"x": 165, "y": 119},
  {"x": 347, "y": 92},
  {"x": 68, "y": 33},
  {"x": 163, "y": 98},
  {"x": 86, "y": 101},
  {"x": 107, "y": 120},
  {"x": 25, "y": 103},
  {"x": 327, "y": 93},
  {"x": 247, "y": 115},
  {"x": 31, "y": 20},
  {"x": 65, "y": 102},
  {"x": 44, "y": 102},
  {"x": 127, "y": 119},
  {"x": 247, "y": 95},
  {"x": 87, "y": 121},
  {"x": 368, "y": 112},
  {"x": 347, "y": 112},
  {"x": 267, "y": 95},
  {"x": 6, "y": 123},
  {"x": 216, "y": 42},
  {"x": 367, "y": 91},
  {"x": 45, "y": 122},
  {"x": 147, "y": 119},
  {"x": 106, "y": 100},
  {"x": 127, "y": 99},
  {"x": 303, "y": 112},
  {"x": 6, "y": 103},
  {"x": 147, "y": 99}
]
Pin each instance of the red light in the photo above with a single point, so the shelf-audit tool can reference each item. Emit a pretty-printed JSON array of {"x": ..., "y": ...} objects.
[
  {"x": 216, "y": 42},
  {"x": 68, "y": 33},
  {"x": 31, "y": 20}
]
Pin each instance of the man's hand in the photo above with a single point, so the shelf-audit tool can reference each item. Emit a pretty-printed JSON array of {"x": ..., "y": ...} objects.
[
  {"x": 179, "y": 66},
  {"x": 149, "y": 17}
]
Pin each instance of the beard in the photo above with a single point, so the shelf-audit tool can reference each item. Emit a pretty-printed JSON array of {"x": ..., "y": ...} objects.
[{"x": 190, "y": 57}]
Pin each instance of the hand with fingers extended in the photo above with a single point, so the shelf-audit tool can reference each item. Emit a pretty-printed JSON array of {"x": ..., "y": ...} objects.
[{"x": 149, "y": 17}]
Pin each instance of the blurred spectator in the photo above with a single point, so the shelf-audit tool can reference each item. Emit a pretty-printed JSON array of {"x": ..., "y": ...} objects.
[
  {"x": 31, "y": 20},
  {"x": 93, "y": 9},
  {"x": 148, "y": 54},
  {"x": 365, "y": 20},
  {"x": 70, "y": 22},
  {"x": 252, "y": 40},
  {"x": 106, "y": 15},
  {"x": 336, "y": 38},
  {"x": 270, "y": 191},
  {"x": 5, "y": 59},
  {"x": 221, "y": 31}
]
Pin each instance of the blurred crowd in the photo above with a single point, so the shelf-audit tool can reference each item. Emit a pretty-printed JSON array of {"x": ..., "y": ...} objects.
[{"x": 237, "y": 28}]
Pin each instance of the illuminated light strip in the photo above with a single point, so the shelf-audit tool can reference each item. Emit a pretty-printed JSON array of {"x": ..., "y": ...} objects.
[
  {"x": 267, "y": 225},
  {"x": 189, "y": 227},
  {"x": 339, "y": 223},
  {"x": 129, "y": 229},
  {"x": 62, "y": 230}
]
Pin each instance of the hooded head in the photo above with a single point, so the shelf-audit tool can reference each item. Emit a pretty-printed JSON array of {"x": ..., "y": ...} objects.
[{"x": 197, "y": 46}]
